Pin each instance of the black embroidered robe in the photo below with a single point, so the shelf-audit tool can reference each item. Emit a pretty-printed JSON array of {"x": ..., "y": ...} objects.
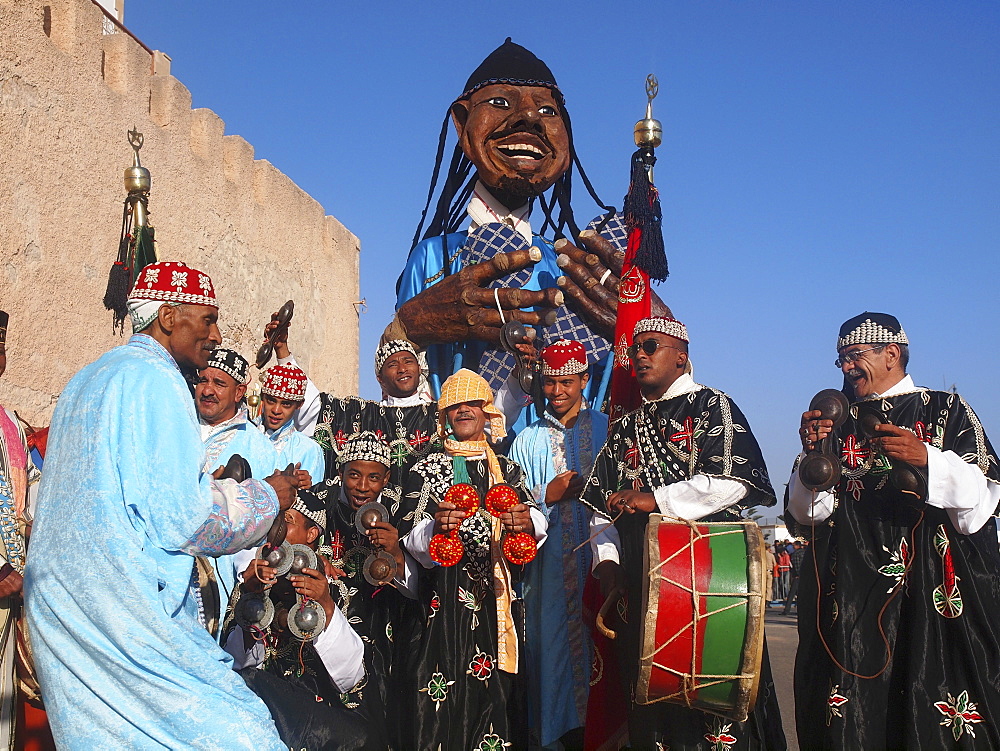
[
  {"x": 411, "y": 432},
  {"x": 457, "y": 697},
  {"x": 663, "y": 442},
  {"x": 376, "y": 613},
  {"x": 883, "y": 563}
]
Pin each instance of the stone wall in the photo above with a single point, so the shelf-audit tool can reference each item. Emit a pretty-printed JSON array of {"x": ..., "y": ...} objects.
[{"x": 68, "y": 94}]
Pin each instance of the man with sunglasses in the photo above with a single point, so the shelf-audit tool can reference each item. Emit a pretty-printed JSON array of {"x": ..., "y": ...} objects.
[
  {"x": 903, "y": 571},
  {"x": 688, "y": 453}
]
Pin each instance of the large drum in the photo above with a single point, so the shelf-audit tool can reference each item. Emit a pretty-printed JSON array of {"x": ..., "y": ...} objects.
[{"x": 702, "y": 636}]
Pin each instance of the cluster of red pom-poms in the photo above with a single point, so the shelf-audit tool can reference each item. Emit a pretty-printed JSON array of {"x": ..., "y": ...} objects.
[
  {"x": 520, "y": 547},
  {"x": 448, "y": 550}
]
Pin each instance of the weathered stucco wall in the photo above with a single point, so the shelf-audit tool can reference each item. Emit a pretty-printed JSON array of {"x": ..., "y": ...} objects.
[{"x": 68, "y": 94}]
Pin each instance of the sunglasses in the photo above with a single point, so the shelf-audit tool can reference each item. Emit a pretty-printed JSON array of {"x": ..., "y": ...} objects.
[{"x": 649, "y": 346}]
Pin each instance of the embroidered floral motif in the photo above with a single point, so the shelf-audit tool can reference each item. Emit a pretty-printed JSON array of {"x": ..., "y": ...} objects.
[
  {"x": 960, "y": 714},
  {"x": 472, "y": 602},
  {"x": 152, "y": 277},
  {"x": 419, "y": 438},
  {"x": 855, "y": 488},
  {"x": 896, "y": 570},
  {"x": 492, "y": 742},
  {"x": 437, "y": 689},
  {"x": 205, "y": 283},
  {"x": 720, "y": 737},
  {"x": 633, "y": 460},
  {"x": 685, "y": 436},
  {"x": 337, "y": 546},
  {"x": 481, "y": 666},
  {"x": 179, "y": 279},
  {"x": 946, "y": 596},
  {"x": 853, "y": 454},
  {"x": 834, "y": 702},
  {"x": 399, "y": 451}
]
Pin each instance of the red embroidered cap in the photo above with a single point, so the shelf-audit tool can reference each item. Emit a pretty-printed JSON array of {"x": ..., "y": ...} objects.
[
  {"x": 564, "y": 357},
  {"x": 174, "y": 281},
  {"x": 284, "y": 382}
]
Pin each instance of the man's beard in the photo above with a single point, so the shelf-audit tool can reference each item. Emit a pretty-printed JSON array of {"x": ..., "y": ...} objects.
[{"x": 519, "y": 186}]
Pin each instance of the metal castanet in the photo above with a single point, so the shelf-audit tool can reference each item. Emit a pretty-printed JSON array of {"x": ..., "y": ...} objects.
[
  {"x": 276, "y": 534},
  {"x": 820, "y": 468},
  {"x": 702, "y": 634},
  {"x": 906, "y": 478},
  {"x": 513, "y": 333},
  {"x": 237, "y": 468},
  {"x": 285, "y": 313}
]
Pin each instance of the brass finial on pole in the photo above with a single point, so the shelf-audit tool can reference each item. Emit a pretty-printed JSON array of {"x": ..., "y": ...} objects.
[
  {"x": 648, "y": 131},
  {"x": 136, "y": 245},
  {"x": 137, "y": 181}
]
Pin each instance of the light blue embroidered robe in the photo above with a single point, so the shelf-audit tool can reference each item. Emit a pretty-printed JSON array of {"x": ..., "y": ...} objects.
[
  {"x": 294, "y": 447},
  {"x": 236, "y": 436},
  {"x": 123, "y": 507},
  {"x": 559, "y": 649}
]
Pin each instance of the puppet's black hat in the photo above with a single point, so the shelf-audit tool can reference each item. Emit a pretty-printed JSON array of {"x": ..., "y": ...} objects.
[{"x": 511, "y": 63}]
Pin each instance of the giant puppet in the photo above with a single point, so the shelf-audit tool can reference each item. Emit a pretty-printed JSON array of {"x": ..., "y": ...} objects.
[{"x": 459, "y": 287}]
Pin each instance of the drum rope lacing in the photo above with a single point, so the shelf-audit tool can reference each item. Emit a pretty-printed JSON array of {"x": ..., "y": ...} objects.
[{"x": 691, "y": 681}]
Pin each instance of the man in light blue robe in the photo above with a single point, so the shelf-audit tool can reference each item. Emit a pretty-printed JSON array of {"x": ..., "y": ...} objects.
[
  {"x": 283, "y": 392},
  {"x": 557, "y": 454},
  {"x": 226, "y": 430},
  {"x": 124, "y": 507}
]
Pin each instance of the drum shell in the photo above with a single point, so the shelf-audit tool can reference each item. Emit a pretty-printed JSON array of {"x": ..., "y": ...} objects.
[{"x": 713, "y": 666}]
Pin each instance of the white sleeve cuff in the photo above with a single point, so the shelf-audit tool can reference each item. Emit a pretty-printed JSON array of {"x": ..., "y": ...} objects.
[
  {"x": 961, "y": 489},
  {"x": 418, "y": 540},
  {"x": 699, "y": 497},
  {"x": 242, "y": 658},
  {"x": 541, "y": 525},
  {"x": 308, "y": 414},
  {"x": 606, "y": 542},
  {"x": 342, "y": 652},
  {"x": 510, "y": 400}
]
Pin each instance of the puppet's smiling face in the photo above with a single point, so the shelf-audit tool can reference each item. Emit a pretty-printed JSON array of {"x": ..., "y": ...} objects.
[{"x": 516, "y": 137}]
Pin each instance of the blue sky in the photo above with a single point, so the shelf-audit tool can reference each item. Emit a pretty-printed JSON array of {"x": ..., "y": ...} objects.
[{"x": 819, "y": 158}]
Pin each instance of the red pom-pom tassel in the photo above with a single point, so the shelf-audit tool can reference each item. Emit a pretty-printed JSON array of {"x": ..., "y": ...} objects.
[
  {"x": 446, "y": 550},
  {"x": 520, "y": 548}
]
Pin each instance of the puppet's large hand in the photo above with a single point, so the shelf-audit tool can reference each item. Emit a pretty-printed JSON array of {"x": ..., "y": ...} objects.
[
  {"x": 461, "y": 307},
  {"x": 596, "y": 302}
]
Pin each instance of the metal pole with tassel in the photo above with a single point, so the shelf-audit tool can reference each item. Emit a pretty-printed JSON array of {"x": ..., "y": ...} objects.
[
  {"x": 645, "y": 258},
  {"x": 136, "y": 247}
]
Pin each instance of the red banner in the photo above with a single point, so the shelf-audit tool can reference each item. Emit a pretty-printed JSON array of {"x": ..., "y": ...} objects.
[{"x": 633, "y": 306}]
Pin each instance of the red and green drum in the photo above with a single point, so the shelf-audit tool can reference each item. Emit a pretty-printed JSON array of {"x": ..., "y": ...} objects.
[{"x": 702, "y": 638}]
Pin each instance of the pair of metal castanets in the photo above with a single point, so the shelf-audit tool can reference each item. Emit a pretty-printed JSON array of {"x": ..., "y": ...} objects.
[{"x": 821, "y": 469}]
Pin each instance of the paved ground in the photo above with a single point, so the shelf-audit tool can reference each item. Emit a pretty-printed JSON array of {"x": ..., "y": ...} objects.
[{"x": 782, "y": 640}]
